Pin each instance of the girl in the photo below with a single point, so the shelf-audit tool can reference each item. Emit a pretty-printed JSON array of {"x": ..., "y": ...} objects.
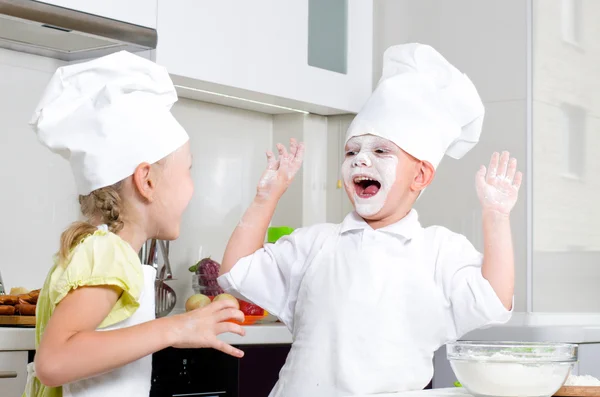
[{"x": 131, "y": 160}]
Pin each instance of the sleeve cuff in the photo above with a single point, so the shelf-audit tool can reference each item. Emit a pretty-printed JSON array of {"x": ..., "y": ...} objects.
[{"x": 496, "y": 313}]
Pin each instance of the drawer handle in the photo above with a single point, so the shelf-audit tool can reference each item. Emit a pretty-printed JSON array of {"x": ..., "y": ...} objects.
[{"x": 7, "y": 374}]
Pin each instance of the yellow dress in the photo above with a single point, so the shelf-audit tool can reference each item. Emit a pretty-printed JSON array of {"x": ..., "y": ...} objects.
[{"x": 100, "y": 259}]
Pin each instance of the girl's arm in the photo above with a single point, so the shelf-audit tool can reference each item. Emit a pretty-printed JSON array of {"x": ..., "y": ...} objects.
[{"x": 72, "y": 349}]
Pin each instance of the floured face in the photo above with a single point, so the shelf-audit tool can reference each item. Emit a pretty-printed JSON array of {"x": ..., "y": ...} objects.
[
  {"x": 382, "y": 180},
  {"x": 369, "y": 172}
]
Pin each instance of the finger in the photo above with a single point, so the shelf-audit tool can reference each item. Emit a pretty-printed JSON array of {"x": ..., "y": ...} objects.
[
  {"x": 503, "y": 164},
  {"x": 229, "y": 314},
  {"x": 222, "y": 328},
  {"x": 282, "y": 151},
  {"x": 512, "y": 169},
  {"x": 271, "y": 161},
  {"x": 293, "y": 147},
  {"x": 518, "y": 180},
  {"x": 221, "y": 305},
  {"x": 480, "y": 176},
  {"x": 493, "y": 167},
  {"x": 299, "y": 157},
  {"x": 227, "y": 349}
]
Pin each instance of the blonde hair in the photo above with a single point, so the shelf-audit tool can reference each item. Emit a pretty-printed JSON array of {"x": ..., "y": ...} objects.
[{"x": 102, "y": 206}]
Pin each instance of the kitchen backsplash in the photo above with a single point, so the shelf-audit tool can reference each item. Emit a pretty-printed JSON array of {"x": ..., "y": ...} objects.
[{"x": 39, "y": 200}]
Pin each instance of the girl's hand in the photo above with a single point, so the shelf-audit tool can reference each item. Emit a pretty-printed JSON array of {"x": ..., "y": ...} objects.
[
  {"x": 498, "y": 189},
  {"x": 280, "y": 171},
  {"x": 199, "y": 328}
]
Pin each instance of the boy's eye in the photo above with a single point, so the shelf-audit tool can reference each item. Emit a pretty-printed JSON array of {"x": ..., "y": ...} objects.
[
  {"x": 350, "y": 153},
  {"x": 380, "y": 151}
]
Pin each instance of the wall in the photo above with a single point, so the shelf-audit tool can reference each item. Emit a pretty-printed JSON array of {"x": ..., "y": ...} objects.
[
  {"x": 38, "y": 197},
  {"x": 566, "y": 192},
  {"x": 487, "y": 41}
]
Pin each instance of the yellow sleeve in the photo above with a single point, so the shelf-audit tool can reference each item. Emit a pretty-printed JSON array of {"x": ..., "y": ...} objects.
[{"x": 102, "y": 259}]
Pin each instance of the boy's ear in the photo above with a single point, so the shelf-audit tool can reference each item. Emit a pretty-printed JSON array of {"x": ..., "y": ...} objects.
[{"x": 425, "y": 175}]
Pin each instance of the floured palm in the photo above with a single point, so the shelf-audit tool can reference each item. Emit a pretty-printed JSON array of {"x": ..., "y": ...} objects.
[{"x": 498, "y": 186}]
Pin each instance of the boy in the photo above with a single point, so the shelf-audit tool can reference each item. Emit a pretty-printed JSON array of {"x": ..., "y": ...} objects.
[{"x": 369, "y": 301}]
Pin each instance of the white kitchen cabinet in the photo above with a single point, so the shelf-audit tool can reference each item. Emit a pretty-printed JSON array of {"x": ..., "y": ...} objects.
[
  {"x": 258, "y": 50},
  {"x": 137, "y": 12},
  {"x": 13, "y": 373}
]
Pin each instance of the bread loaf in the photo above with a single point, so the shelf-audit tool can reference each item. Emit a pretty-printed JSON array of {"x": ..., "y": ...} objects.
[
  {"x": 26, "y": 309},
  {"x": 7, "y": 310},
  {"x": 10, "y": 300}
]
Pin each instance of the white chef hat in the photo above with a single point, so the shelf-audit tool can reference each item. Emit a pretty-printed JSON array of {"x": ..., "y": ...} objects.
[
  {"x": 423, "y": 104},
  {"x": 107, "y": 116}
]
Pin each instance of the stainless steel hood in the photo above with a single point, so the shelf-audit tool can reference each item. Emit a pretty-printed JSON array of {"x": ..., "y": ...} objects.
[{"x": 56, "y": 32}]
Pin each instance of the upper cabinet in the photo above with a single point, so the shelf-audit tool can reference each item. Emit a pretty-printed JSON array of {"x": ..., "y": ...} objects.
[
  {"x": 303, "y": 55},
  {"x": 137, "y": 12}
]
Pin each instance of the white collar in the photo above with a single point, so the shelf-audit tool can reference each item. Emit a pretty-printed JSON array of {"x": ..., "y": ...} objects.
[{"x": 405, "y": 227}]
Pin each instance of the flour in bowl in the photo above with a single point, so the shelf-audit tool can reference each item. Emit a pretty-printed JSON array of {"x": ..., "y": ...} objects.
[{"x": 507, "y": 375}]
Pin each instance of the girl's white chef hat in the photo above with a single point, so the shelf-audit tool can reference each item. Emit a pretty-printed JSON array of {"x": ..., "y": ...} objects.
[
  {"x": 107, "y": 116},
  {"x": 423, "y": 104}
]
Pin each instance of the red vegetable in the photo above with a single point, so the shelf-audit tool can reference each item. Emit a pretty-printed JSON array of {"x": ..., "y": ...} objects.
[{"x": 250, "y": 309}]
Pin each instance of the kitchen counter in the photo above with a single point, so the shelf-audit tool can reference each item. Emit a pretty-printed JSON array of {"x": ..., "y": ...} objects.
[
  {"x": 24, "y": 338},
  {"x": 444, "y": 392},
  {"x": 544, "y": 327},
  {"x": 548, "y": 327}
]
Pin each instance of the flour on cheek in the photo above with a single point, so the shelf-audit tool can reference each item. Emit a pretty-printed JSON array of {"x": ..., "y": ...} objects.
[{"x": 367, "y": 163}]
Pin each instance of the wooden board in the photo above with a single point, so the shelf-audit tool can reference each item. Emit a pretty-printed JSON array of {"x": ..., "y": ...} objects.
[
  {"x": 22, "y": 321},
  {"x": 578, "y": 391}
]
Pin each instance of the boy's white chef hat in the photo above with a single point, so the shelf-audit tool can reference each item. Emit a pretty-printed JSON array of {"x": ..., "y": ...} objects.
[
  {"x": 423, "y": 104},
  {"x": 107, "y": 116}
]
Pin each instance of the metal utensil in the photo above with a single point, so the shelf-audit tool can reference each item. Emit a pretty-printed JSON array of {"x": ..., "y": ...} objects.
[
  {"x": 151, "y": 250},
  {"x": 164, "y": 246},
  {"x": 165, "y": 298}
]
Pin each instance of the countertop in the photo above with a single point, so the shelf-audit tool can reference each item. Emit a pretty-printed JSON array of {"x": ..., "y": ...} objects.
[
  {"x": 24, "y": 338},
  {"x": 445, "y": 392},
  {"x": 529, "y": 327}
]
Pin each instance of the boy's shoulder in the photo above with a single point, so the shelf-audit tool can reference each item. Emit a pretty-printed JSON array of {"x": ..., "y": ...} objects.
[{"x": 440, "y": 235}]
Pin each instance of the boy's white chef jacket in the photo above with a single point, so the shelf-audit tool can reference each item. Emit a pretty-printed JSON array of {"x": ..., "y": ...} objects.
[{"x": 367, "y": 308}]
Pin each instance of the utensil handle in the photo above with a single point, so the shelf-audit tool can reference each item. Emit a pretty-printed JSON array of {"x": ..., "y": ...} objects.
[{"x": 8, "y": 374}]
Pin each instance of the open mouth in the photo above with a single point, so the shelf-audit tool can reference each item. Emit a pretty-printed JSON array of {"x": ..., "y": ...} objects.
[{"x": 366, "y": 187}]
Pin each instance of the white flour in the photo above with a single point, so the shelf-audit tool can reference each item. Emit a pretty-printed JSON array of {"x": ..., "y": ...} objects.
[
  {"x": 531, "y": 378},
  {"x": 583, "y": 380},
  {"x": 381, "y": 167}
]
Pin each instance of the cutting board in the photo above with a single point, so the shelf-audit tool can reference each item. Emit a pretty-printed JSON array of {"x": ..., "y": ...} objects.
[
  {"x": 21, "y": 321},
  {"x": 578, "y": 391}
]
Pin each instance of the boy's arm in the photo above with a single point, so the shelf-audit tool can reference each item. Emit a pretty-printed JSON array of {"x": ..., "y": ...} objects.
[
  {"x": 249, "y": 235},
  {"x": 498, "y": 190}
]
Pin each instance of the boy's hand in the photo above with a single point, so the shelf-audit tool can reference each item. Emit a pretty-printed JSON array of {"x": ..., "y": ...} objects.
[
  {"x": 498, "y": 189},
  {"x": 280, "y": 171}
]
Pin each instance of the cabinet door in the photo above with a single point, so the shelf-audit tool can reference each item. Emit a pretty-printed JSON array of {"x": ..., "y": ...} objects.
[
  {"x": 137, "y": 12},
  {"x": 13, "y": 373},
  {"x": 261, "y": 50}
]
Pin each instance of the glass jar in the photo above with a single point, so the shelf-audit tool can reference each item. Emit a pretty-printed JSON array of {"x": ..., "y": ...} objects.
[{"x": 206, "y": 284}]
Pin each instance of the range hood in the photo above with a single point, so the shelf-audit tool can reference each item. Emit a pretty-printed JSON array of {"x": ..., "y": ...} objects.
[{"x": 56, "y": 32}]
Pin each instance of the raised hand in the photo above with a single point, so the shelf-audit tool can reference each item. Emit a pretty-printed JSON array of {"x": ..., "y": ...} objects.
[
  {"x": 280, "y": 171},
  {"x": 498, "y": 186}
]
